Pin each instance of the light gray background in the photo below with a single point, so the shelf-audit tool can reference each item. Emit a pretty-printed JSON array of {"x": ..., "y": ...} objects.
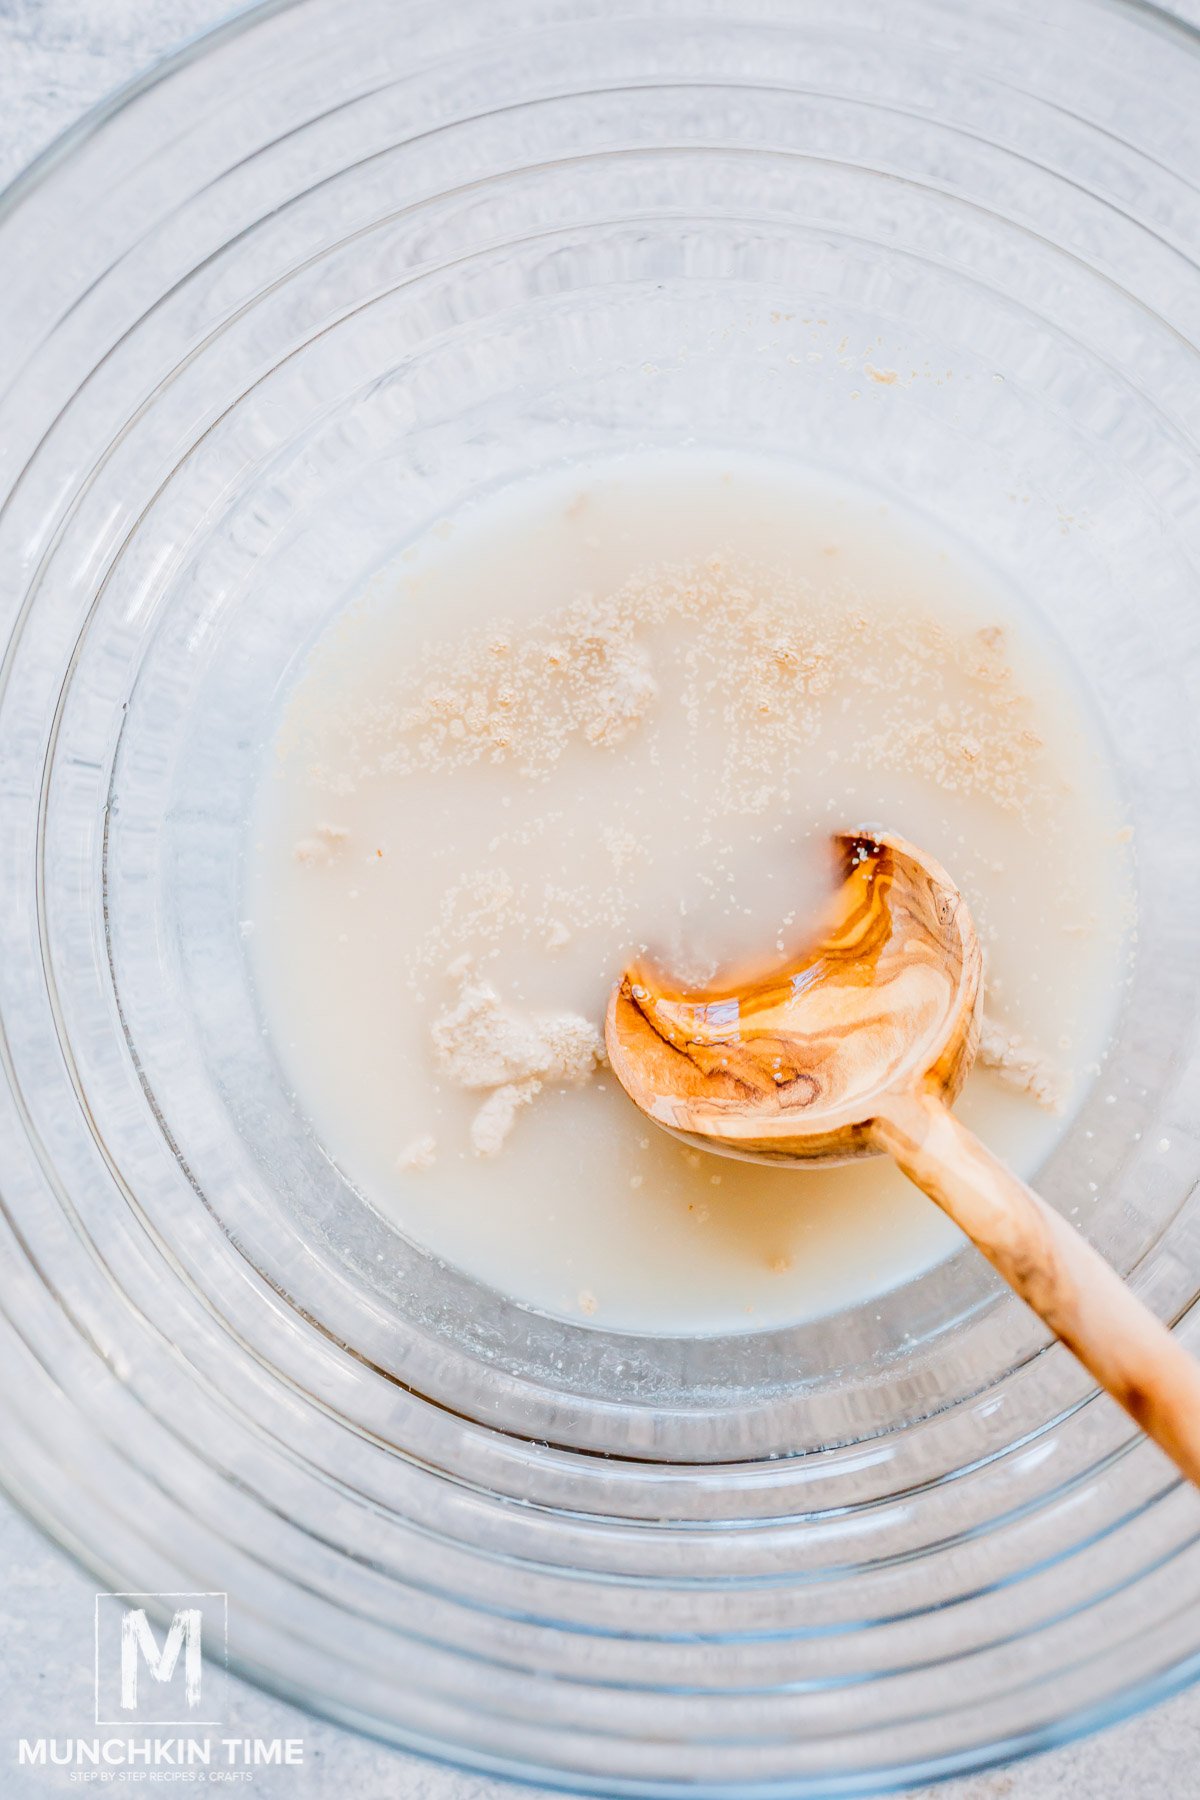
[{"x": 56, "y": 58}]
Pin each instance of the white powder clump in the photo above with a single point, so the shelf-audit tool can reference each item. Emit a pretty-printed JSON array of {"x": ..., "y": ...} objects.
[
  {"x": 479, "y": 1043},
  {"x": 420, "y": 1154},
  {"x": 494, "y": 1120},
  {"x": 322, "y": 846},
  {"x": 1020, "y": 1065}
]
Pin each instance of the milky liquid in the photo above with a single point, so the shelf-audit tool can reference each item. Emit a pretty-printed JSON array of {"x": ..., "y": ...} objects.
[{"x": 622, "y": 707}]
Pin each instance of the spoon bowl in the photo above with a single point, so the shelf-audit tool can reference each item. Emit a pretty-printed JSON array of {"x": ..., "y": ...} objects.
[{"x": 791, "y": 1062}]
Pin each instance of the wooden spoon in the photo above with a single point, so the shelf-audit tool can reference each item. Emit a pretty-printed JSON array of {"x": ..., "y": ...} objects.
[{"x": 860, "y": 1045}]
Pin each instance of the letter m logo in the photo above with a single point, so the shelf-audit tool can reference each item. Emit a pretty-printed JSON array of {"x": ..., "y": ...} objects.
[
  {"x": 137, "y": 1643},
  {"x": 159, "y": 1657}
]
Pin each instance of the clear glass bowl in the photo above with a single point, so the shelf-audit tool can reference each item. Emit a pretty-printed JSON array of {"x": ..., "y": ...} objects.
[{"x": 320, "y": 276}]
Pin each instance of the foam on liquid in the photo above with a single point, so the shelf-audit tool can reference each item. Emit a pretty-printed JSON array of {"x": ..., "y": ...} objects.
[{"x": 621, "y": 707}]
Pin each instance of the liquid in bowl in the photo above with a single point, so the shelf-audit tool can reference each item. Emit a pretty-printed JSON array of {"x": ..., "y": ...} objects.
[{"x": 619, "y": 707}]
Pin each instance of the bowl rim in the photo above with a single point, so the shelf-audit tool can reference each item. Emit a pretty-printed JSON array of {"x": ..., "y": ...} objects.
[{"x": 74, "y": 137}]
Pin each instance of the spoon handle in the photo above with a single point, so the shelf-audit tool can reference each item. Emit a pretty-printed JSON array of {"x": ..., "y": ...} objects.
[{"x": 1083, "y": 1300}]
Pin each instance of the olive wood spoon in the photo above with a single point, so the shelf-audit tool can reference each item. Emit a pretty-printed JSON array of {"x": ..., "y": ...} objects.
[{"x": 861, "y": 1045}]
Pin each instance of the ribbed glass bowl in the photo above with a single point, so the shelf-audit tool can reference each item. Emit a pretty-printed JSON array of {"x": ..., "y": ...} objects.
[{"x": 300, "y": 291}]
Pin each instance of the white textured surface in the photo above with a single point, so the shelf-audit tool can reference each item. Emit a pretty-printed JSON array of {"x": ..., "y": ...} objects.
[{"x": 56, "y": 58}]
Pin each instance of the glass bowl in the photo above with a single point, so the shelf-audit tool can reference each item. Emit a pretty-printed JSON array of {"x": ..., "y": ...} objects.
[{"x": 289, "y": 298}]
